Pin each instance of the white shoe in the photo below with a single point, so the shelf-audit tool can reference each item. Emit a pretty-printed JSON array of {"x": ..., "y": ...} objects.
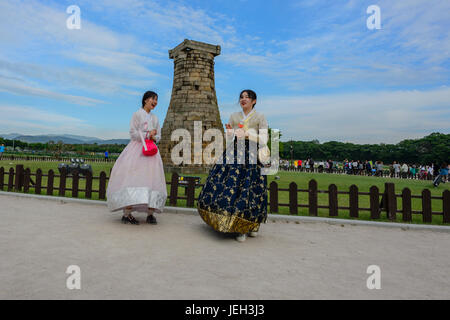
[
  {"x": 241, "y": 237},
  {"x": 253, "y": 234}
]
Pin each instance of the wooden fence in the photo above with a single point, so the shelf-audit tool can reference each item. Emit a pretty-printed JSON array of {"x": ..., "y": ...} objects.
[{"x": 22, "y": 180}]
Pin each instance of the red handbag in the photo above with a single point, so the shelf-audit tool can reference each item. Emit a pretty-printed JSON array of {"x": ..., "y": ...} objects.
[{"x": 149, "y": 147}]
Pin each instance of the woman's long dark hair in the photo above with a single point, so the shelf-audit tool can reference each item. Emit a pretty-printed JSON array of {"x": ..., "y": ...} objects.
[
  {"x": 251, "y": 94},
  {"x": 148, "y": 94}
]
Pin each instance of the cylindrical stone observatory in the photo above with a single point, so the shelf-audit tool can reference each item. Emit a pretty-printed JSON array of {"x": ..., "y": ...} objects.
[{"x": 193, "y": 99}]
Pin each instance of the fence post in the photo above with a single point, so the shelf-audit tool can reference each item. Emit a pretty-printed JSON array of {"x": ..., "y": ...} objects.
[
  {"x": 62, "y": 182},
  {"x": 88, "y": 192},
  {"x": 446, "y": 206},
  {"x": 102, "y": 186},
  {"x": 391, "y": 201},
  {"x": 190, "y": 192},
  {"x": 293, "y": 200},
  {"x": 426, "y": 205},
  {"x": 312, "y": 195},
  {"x": 75, "y": 182},
  {"x": 353, "y": 199},
  {"x": 19, "y": 178},
  {"x": 273, "y": 197},
  {"x": 51, "y": 177},
  {"x": 333, "y": 200},
  {"x": 2, "y": 178},
  {"x": 38, "y": 186},
  {"x": 374, "y": 203},
  {"x": 406, "y": 204},
  {"x": 26, "y": 180},
  {"x": 11, "y": 179},
  {"x": 174, "y": 190}
]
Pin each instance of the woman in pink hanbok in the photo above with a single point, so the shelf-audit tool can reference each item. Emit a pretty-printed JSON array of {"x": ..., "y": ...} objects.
[{"x": 137, "y": 182}]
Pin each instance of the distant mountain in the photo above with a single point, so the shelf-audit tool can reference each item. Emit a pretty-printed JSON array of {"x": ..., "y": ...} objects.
[
  {"x": 71, "y": 136},
  {"x": 65, "y": 138},
  {"x": 10, "y": 136}
]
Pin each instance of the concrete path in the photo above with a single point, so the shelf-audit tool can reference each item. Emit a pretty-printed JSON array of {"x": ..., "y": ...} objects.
[{"x": 182, "y": 258}]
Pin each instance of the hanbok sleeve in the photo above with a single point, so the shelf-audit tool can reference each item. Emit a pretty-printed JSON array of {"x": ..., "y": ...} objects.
[
  {"x": 158, "y": 128},
  {"x": 262, "y": 135},
  {"x": 233, "y": 122},
  {"x": 135, "y": 127},
  {"x": 229, "y": 134}
]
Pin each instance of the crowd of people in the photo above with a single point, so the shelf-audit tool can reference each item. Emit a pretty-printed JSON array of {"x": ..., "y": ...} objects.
[{"x": 371, "y": 168}]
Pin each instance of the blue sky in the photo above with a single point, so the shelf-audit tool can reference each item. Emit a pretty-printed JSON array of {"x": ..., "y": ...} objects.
[{"x": 319, "y": 72}]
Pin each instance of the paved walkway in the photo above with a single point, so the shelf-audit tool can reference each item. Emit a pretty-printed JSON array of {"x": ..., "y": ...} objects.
[{"x": 182, "y": 258}]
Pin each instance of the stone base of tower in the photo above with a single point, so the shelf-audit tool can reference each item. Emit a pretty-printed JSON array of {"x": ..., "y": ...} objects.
[{"x": 182, "y": 170}]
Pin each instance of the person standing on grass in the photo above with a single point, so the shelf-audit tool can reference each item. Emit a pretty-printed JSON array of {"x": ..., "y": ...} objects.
[
  {"x": 355, "y": 167},
  {"x": 405, "y": 171},
  {"x": 311, "y": 164},
  {"x": 391, "y": 171},
  {"x": 412, "y": 170},
  {"x": 379, "y": 169},
  {"x": 2, "y": 149},
  {"x": 430, "y": 172},
  {"x": 435, "y": 170},
  {"x": 443, "y": 174},
  {"x": 360, "y": 167},
  {"x": 234, "y": 197},
  {"x": 396, "y": 169},
  {"x": 368, "y": 168},
  {"x": 137, "y": 182}
]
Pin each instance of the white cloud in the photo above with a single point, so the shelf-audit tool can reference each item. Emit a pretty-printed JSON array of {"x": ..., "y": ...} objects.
[
  {"x": 375, "y": 117},
  {"x": 34, "y": 121},
  {"x": 31, "y": 23},
  {"x": 72, "y": 78},
  {"x": 131, "y": 63},
  {"x": 110, "y": 61},
  {"x": 335, "y": 49},
  {"x": 19, "y": 88},
  {"x": 34, "y": 115}
]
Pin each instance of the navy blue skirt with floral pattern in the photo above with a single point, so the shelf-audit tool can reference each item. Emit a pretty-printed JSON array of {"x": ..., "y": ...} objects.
[{"x": 234, "y": 197}]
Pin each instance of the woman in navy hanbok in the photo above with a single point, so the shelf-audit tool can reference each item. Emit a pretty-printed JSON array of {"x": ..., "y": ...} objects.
[{"x": 234, "y": 197}]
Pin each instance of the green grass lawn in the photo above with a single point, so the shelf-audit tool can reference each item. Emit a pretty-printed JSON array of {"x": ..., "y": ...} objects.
[{"x": 343, "y": 183}]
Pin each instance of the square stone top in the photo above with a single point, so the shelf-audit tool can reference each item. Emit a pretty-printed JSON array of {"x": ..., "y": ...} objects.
[{"x": 194, "y": 45}]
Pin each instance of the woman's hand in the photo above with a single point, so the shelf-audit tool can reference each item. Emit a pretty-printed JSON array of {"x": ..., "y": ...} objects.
[
  {"x": 240, "y": 133},
  {"x": 151, "y": 135},
  {"x": 229, "y": 129}
]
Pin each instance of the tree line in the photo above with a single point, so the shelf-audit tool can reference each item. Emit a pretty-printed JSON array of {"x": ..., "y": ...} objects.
[
  {"x": 434, "y": 148},
  {"x": 58, "y": 147}
]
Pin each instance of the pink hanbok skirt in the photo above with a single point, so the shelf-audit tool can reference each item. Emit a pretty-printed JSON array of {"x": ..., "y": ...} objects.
[{"x": 137, "y": 181}]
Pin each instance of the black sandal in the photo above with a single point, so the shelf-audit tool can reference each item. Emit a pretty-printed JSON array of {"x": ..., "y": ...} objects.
[
  {"x": 129, "y": 219},
  {"x": 151, "y": 219}
]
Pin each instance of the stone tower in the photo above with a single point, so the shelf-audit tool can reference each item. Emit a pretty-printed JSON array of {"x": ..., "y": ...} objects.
[{"x": 193, "y": 98}]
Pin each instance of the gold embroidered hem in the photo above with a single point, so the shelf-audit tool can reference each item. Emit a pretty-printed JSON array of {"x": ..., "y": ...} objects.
[{"x": 228, "y": 223}]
